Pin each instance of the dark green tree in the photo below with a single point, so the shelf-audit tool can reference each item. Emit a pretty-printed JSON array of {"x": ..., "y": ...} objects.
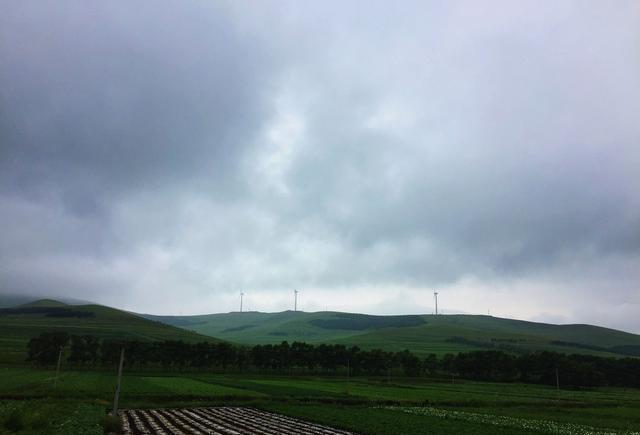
[{"x": 44, "y": 349}]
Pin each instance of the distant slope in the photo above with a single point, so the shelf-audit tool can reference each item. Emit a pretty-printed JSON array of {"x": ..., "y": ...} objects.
[
  {"x": 19, "y": 324},
  {"x": 256, "y": 327},
  {"x": 421, "y": 334}
]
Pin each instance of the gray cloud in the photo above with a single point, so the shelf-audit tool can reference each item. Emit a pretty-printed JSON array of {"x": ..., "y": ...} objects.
[
  {"x": 102, "y": 98},
  {"x": 164, "y": 156}
]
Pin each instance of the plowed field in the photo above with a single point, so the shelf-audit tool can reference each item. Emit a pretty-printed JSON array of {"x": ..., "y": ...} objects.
[{"x": 220, "y": 420}]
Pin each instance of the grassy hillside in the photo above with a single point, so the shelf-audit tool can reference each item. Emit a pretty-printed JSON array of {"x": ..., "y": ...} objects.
[
  {"x": 19, "y": 324},
  {"x": 260, "y": 328},
  {"x": 421, "y": 334},
  {"x": 457, "y": 333}
]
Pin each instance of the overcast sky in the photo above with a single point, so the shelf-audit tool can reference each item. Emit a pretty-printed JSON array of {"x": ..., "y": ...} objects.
[{"x": 163, "y": 156}]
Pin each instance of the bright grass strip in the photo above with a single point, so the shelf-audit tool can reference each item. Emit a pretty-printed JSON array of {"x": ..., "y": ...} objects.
[{"x": 547, "y": 426}]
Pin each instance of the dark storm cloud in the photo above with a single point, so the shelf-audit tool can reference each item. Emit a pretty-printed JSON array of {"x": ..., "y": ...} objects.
[
  {"x": 101, "y": 97},
  {"x": 178, "y": 152}
]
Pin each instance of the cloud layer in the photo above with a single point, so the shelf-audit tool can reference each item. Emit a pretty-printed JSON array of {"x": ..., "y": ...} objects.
[{"x": 161, "y": 157}]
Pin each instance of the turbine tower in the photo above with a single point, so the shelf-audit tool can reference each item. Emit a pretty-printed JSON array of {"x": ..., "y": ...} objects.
[
  {"x": 295, "y": 300},
  {"x": 435, "y": 295},
  {"x": 241, "y": 296}
]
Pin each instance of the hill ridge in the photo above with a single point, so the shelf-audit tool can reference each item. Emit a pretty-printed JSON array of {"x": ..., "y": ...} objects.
[{"x": 438, "y": 334}]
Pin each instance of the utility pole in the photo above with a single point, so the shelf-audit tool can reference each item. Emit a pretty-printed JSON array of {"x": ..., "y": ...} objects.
[
  {"x": 55, "y": 382},
  {"x": 348, "y": 374},
  {"x": 295, "y": 300},
  {"x": 116, "y": 396},
  {"x": 435, "y": 295},
  {"x": 241, "y": 296}
]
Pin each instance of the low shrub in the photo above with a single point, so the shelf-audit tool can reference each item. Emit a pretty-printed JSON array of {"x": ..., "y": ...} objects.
[
  {"x": 111, "y": 424},
  {"x": 15, "y": 421}
]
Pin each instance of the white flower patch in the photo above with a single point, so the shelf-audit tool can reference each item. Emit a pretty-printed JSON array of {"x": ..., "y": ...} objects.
[{"x": 547, "y": 426}]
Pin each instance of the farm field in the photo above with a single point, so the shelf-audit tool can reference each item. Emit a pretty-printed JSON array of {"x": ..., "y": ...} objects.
[
  {"x": 224, "y": 420},
  {"x": 360, "y": 405}
]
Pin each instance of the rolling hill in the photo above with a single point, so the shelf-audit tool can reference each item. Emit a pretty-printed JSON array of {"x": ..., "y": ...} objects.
[
  {"x": 19, "y": 323},
  {"x": 422, "y": 334}
]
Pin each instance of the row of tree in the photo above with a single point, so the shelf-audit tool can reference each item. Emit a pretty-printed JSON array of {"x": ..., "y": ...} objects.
[{"x": 493, "y": 365}]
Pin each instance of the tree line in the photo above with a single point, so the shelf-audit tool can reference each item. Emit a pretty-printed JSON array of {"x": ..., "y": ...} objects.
[{"x": 541, "y": 367}]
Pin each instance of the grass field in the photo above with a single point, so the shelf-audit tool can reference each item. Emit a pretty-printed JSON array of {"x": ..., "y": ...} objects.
[
  {"x": 374, "y": 406},
  {"x": 420, "y": 334},
  {"x": 105, "y": 322}
]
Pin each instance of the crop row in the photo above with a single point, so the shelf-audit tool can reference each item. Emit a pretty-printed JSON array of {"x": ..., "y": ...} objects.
[{"x": 220, "y": 420}]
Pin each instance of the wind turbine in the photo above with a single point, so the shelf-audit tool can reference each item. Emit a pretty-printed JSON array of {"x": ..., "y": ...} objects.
[
  {"x": 295, "y": 300},
  {"x": 435, "y": 295},
  {"x": 241, "y": 296}
]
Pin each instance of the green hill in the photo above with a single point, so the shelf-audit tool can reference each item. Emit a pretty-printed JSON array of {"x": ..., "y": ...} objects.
[
  {"x": 421, "y": 334},
  {"x": 19, "y": 324}
]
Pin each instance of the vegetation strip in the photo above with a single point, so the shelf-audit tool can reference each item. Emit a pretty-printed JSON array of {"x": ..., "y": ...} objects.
[
  {"x": 536, "y": 367},
  {"x": 222, "y": 420},
  {"x": 546, "y": 426}
]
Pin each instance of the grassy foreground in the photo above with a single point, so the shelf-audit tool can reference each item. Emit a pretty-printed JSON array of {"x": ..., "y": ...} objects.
[{"x": 32, "y": 401}]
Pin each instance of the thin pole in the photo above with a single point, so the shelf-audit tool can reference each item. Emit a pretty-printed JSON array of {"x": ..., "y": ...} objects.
[
  {"x": 435, "y": 295},
  {"x": 55, "y": 382},
  {"x": 116, "y": 397},
  {"x": 295, "y": 300},
  {"x": 241, "y": 296},
  {"x": 348, "y": 374}
]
